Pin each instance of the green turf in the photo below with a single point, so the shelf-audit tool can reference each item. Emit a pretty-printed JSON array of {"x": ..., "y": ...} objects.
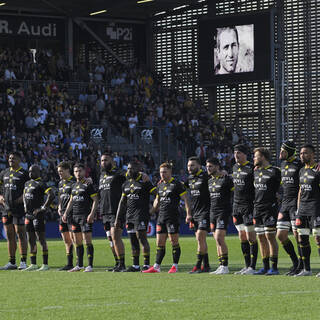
[{"x": 105, "y": 295}]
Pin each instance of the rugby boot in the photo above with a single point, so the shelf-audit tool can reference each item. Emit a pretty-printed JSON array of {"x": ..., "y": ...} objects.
[
  {"x": 261, "y": 272},
  {"x": 173, "y": 269},
  {"x": 272, "y": 272},
  {"x": 132, "y": 269},
  {"x": 152, "y": 270},
  {"x": 9, "y": 266},
  {"x": 195, "y": 270},
  {"x": 44, "y": 267},
  {"x": 32, "y": 267}
]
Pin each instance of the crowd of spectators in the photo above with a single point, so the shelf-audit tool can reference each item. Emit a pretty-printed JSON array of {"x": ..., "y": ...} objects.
[{"x": 47, "y": 125}]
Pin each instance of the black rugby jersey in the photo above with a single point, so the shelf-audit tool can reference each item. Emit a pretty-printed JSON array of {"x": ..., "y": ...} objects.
[
  {"x": 110, "y": 190},
  {"x": 242, "y": 176},
  {"x": 169, "y": 194},
  {"x": 266, "y": 182},
  {"x": 12, "y": 182},
  {"x": 82, "y": 195},
  {"x": 33, "y": 194},
  {"x": 137, "y": 194},
  {"x": 199, "y": 193},
  {"x": 220, "y": 189},
  {"x": 309, "y": 191},
  {"x": 290, "y": 180},
  {"x": 65, "y": 187}
]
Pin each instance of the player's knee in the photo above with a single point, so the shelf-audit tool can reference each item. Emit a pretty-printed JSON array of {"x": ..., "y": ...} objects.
[
  {"x": 262, "y": 237},
  {"x": 116, "y": 235},
  {"x": 22, "y": 235},
  {"x": 87, "y": 239},
  {"x": 174, "y": 242},
  {"x": 219, "y": 239},
  {"x": 271, "y": 235},
  {"x": 282, "y": 236},
  {"x": 32, "y": 242},
  {"x": 304, "y": 241},
  {"x": 242, "y": 235},
  {"x": 251, "y": 236},
  {"x": 10, "y": 235},
  {"x": 142, "y": 236},
  {"x": 134, "y": 241},
  {"x": 43, "y": 244},
  {"x": 68, "y": 241}
]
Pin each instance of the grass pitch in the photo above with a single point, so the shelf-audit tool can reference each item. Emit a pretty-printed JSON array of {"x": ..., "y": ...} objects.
[{"x": 106, "y": 295}]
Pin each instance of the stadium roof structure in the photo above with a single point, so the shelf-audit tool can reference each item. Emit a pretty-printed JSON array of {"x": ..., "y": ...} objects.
[{"x": 116, "y": 9}]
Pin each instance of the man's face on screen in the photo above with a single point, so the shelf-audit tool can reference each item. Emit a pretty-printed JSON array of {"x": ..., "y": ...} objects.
[{"x": 228, "y": 51}]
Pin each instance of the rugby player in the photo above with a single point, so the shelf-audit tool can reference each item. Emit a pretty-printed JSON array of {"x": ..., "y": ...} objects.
[
  {"x": 243, "y": 208},
  {"x": 110, "y": 190},
  {"x": 12, "y": 181},
  {"x": 197, "y": 183},
  {"x": 134, "y": 209},
  {"x": 83, "y": 204},
  {"x": 308, "y": 215},
  {"x": 220, "y": 190},
  {"x": 35, "y": 207},
  {"x": 169, "y": 193},
  {"x": 266, "y": 182},
  {"x": 290, "y": 167},
  {"x": 65, "y": 186}
]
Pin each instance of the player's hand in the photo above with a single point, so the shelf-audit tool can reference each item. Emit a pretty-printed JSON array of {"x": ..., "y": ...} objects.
[
  {"x": 90, "y": 218},
  {"x": 145, "y": 177},
  {"x": 188, "y": 219},
  {"x": 2, "y": 200},
  {"x": 88, "y": 180},
  {"x": 60, "y": 212},
  {"x": 224, "y": 173},
  {"x": 64, "y": 218}
]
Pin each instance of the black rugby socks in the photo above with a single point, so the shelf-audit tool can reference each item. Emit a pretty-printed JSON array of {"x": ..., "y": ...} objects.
[
  {"x": 245, "y": 247},
  {"x": 161, "y": 251}
]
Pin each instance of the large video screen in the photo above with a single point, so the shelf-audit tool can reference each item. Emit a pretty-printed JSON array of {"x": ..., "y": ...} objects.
[{"x": 234, "y": 49}]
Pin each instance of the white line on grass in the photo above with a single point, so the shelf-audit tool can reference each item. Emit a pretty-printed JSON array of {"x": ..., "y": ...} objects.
[
  {"x": 273, "y": 294},
  {"x": 170, "y": 301}
]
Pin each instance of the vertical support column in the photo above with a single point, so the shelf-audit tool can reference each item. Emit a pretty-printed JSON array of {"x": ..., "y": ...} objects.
[
  {"x": 307, "y": 18},
  {"x": 150, "y": 46},
  {"x": 70, "y": 42},
  {"x": 279, "y": 81},
  {"x": 212, "y": 92}
]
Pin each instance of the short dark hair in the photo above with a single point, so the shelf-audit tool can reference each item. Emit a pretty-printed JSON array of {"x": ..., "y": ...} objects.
[
  {"x": 242, "y": 148},
  {"x": 309, "y": 146},
  {"x": 79, "y": 165},
  {"x": 135, "y": 164},
  {"x": 264, "y": 151},
  {"x": 214, "y": 161},
  {"x": 16, "y": 154},
  {"x": 107, "y": 154},
  {"x": 65, "y": 165},
  {"x": 194, "y": 158}
]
